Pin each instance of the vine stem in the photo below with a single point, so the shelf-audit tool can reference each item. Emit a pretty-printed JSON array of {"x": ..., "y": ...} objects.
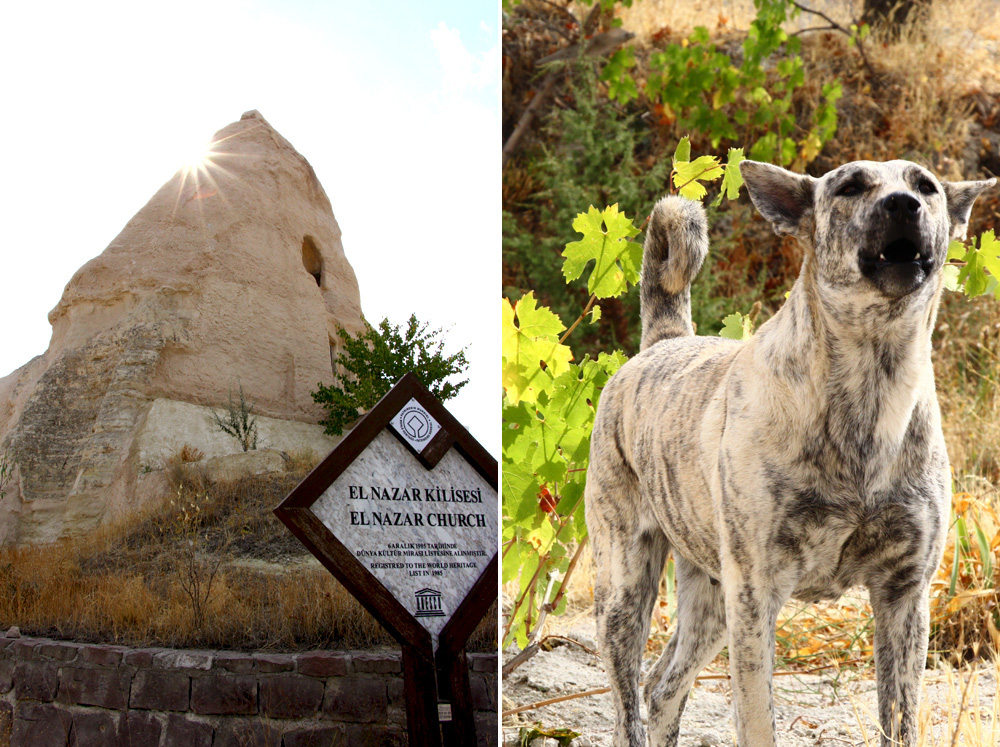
[
  {"x": 541, "y": 564},
  {"x": 551, "y": 606},
  {"x": 590, "y": 303}
]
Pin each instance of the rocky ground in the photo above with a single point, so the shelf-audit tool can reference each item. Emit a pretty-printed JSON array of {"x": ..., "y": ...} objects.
[{"x": 811, "y": 710}]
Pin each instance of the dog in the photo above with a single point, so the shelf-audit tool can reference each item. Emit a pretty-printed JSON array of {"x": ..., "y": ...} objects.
[{"x": 798, "y": 463}]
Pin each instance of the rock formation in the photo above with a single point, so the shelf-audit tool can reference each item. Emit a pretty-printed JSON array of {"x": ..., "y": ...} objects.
[{"x": 233, "y": 274}]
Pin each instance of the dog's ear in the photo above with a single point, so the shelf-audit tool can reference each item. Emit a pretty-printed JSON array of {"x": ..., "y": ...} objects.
[
  {"x": 960, "y": 196},
  {"x": 782, "y": 197}
]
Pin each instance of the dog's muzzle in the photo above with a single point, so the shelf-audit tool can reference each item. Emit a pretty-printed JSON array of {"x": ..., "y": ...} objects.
[{"x": 904, "y": 260}]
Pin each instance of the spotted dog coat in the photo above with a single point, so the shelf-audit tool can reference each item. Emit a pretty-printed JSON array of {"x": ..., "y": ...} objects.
[{"x": 799, "y": 463}]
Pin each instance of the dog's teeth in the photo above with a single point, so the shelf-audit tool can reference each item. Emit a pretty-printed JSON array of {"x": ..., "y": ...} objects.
[{"x": 881, "y": 257}]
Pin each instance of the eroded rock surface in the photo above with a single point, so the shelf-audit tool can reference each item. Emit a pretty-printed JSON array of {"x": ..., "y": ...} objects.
[{"x": 233, "y": 274}]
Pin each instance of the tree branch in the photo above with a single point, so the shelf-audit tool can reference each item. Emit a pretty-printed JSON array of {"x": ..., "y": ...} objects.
[{"x": 837, "y": 27}]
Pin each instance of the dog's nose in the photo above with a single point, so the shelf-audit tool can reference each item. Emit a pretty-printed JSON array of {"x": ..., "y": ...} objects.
[{"x": 901, "y": 206}]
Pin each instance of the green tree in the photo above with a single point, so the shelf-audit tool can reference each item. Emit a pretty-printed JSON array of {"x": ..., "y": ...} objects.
[{"x": 372, "y": 361}]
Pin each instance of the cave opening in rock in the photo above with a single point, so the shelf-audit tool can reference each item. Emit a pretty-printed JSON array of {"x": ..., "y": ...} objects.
[{"x": 312, "y": 260}]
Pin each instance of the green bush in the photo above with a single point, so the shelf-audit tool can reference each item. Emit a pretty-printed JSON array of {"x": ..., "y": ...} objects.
[{"x": 372, "y": 361}]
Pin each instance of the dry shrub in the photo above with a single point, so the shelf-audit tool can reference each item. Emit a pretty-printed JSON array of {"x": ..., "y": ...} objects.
[
  {"x": 123, "y": 583},
  {"x": 190, "y": 454},
  {"x": 303, "y": 460}
]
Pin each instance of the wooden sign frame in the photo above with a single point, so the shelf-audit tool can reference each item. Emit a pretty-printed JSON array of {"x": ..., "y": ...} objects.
[{"x": 424, "y": 671}]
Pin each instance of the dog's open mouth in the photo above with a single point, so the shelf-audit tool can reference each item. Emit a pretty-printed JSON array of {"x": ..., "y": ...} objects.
[
  {"x": 900, "y": 252},
  {"x": 900, "y": 267}
]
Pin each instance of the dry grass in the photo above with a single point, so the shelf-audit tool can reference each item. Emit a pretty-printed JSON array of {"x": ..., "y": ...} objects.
[
  {"x": 190, "y": 454},
  {"x": 126, "y": 583},
  {"x": 964, "y": 716}
]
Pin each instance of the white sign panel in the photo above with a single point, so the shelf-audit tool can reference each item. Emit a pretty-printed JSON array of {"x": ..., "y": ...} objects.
[{"x": 426, "y": 535}]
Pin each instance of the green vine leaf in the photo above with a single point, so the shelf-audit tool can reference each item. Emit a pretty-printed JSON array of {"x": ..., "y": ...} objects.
[
  {"x": 733, "y": 179},
  {"x": 531, "y": 352},
  {"x": 606, "y": 243},
  {"x": 688, "y": 176},
  {"x": 736, "y": 326}
]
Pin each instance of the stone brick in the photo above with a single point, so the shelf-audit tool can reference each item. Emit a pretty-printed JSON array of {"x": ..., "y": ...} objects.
[
  {"x": 238, "y": 732},
  {"x": 375, "y": 735},
  {"x": 224, "y": 695},
  {"x": 317, "y": 736},
  {"x": 290, "y": 696},
  {"x": 41, "y": 724},
  {"x": 160, "y": 690},
  {"x": 92, "y": 728},
  {"x": 57, "y": 651},
  {"x": 486, "y": 729},
  {"x": 24, "y": 648},
  {"x": 233, "y": 662},
  {"x": 183, "y": 660},
  {"x": 378, "y": 663},
  {"x": 181, "y": 731},
  {"x": 6, "y": 675},
  {"x": 102, "y": 656},
  {"x": 139, "y": 729},
  {"x": 397, "y": 691},
  {"x": 107, "y": 688},
  {"x": 484, "y": 663},
  {"x": 35, "y": 680},
  {"x": 140, "y": 657},
  {"x": 323, "y": 664},
  {"x": 359, "y": 699},
  {"x": 483, "y": 697},
  {"x": 6, "y": 721},
  {"x": 271, "y": 663}
]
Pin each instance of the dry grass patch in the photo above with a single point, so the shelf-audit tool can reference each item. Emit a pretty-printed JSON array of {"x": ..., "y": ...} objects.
[{"x": 132, "y": 582}]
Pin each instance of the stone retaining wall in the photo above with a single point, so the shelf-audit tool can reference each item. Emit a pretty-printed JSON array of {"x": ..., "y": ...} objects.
[{"x": 55, "y": 693}]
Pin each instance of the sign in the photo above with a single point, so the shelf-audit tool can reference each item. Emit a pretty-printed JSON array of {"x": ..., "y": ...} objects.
[
  {"x": 404, "y": 512},
  {"x": 425, "y": 535}
]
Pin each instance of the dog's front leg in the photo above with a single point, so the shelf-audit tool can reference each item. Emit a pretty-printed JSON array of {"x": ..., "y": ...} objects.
[
  {"x": 902, "y": 625},
  {"x": 755, "y": 590}
]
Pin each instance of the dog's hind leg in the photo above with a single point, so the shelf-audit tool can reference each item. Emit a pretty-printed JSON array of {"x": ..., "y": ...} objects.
[
  {"x": 629, "y": 563},
  {"x": 700, "y": 635}
]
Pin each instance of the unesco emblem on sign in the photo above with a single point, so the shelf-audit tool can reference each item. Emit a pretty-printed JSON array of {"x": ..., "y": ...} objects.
[
  {"x": 415, "y": 425},
  {"x": 428, "y": 603}
]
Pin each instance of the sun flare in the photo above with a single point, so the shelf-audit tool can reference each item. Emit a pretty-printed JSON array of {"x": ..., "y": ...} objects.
[{"x": 198, "y": 159}]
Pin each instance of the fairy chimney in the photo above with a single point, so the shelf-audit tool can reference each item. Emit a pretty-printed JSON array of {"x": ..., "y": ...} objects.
[{"x": 232, "y": 274}]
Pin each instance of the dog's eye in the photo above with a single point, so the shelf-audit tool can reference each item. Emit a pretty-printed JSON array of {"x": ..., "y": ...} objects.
[
  {"x": 926, "y": 187},
  {"x": 851, "y": 189}
]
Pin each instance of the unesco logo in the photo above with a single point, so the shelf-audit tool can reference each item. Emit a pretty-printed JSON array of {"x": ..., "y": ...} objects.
[
  {"x": 415, "y": 424},
  {"x": 428, "y": 603}
]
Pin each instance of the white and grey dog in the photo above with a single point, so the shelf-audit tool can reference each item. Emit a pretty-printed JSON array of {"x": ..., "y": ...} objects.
[{"x": 799, "y": 463}]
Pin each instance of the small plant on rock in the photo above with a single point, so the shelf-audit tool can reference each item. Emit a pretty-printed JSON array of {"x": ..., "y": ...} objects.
[
  {"x": 6, "y": 468},
  {"x": 239, "y": 421}
]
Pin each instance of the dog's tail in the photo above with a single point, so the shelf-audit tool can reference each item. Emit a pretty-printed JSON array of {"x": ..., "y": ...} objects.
[{"x": 676, "y": 245}]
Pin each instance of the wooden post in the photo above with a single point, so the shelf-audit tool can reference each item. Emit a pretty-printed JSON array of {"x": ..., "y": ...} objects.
[
  {"x": 454, "y": 679},
  {"x": 420, "y": 686},
  {"x": 427, "y": 668}
]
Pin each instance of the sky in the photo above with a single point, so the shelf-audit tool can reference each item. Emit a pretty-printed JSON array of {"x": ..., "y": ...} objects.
[{"x": 395, "y": 104}]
